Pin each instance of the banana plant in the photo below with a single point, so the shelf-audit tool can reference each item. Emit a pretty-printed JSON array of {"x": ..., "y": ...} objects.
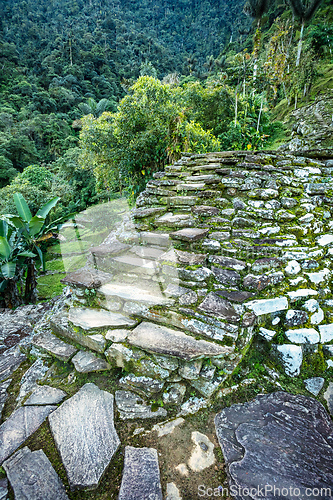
[
  {"x": 30, "y": 231},
  {"x": 12, "y": 256}
]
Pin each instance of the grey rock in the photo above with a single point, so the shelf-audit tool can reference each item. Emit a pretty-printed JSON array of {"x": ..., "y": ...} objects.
[
  {"x": 118, "y": 335},
  {"x": 235, "y": 296},
  {"x": 141, "y": 475},
  {"x": 241, "y": 222},
  {"x": 207, "y": 387},
  {"x": 279, "y": 440},
  {"x": 201, "y": 274},
  {"x": 89, "y": 319},
  {"x": 189, "y": 234},
  {"x": 19, "y": 426},
  {"x": 145, "y": 386},
  {"x": 188, "y": 299},
  {"x": 191, "y": 406},
  {"x": 266, "y": 264},
  {"x": 3, "y": 489},
  {"x": 216, "y": 305},
  {"x": 143, "y": 293},
  {"x": 174, "y": 394},
  {"x": 296, "y": 317},
  {"x": 291, "y": 357},
  {"x": 45, "y": 395},
  {"x": 211, "y": 245},
  {"x": 10, "y": 361},
  {"x": 58, "y": 348},
  {"x": 141, "y": 213},
  {"x": 85, "y": 435},
  {"x": 88, "y": 278},
  {"x": 150, "y": 238},
  {"x": 86, "y": 362},
  {"x": 205, "y": 210},
  {"x": 288, "y": 203},
  {"x": 60, "y": 325},
  {"x": 3, "y": 396},
  {"x": 29, "y": 380},
  {"x": 32, "y": 476},
  {"x": 189, "y": 258},
  {"x": 226, "y": 276},
  {"x": 220, "y": 235},
  {"x": 328, "y": 396},
  {"x": 190, "y": 370},
  {"x": 314, "y": 385},
  {"x": 267, "y": 306},
  {"x": 175, "y": 290},
  {"x": 175, "y": 220},
  {"x": 131, "y": 407},
  {"x": 227, "y": 262},
  {"x": 162, "y": 340}
]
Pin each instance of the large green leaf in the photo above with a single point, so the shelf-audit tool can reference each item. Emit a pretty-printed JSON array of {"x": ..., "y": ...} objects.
[
  {"x": 16, "y": 221},
  {"x": 27, "y": 254},
  {"x": 3, "y": 228},
  {"x": 41, "y": 257},
  {"x": 5, "y": 249},
  {"x": 8, "y": 270},
  {"x": 36, "y": 224},
  {"x": 44, "y": 210},
  {"x": 22, "y": 207},
  {"x": 3, "y": 285}
]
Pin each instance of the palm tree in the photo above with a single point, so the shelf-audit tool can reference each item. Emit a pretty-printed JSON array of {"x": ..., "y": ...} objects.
[
  {"x": 91, "y": 107},
  {"x": 304, "y": 13}
]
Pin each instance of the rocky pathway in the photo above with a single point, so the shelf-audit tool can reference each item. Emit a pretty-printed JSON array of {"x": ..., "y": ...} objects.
[{"x": 224, "y": 253}]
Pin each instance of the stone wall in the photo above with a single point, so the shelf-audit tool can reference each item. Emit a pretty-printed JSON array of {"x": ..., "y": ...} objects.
[{"x": 220, "y": 247}]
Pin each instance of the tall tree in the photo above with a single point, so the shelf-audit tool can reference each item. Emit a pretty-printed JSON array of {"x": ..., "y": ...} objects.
[{"x": 304, "y": 11}]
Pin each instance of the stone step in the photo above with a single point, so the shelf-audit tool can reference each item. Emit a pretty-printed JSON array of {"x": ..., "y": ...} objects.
[
  {"x": 86, "y": 362},
  {"x": 190, "y": 234},
  {"x": 86, "y": 278},
  {"x": 162, "y": 340},
  {"x": 146, "y": 252},
  {"x": 19, "y": 426},
  {"x": 141, "y": 475},
  {"x": 175, "y": 220},
  {"x": 45, "y": 395},
  {"x": 32, "y": 476},
  {"x": 85, "y": 436},
  {"x": 128, "y": 263},
  {"x": 50, "y": 343},
  {"x": 131, "y": 407},
  {"x": 89, "y": 321},
  {"x": 10, "y": 361},
  {"x": 149, "y": 295}
]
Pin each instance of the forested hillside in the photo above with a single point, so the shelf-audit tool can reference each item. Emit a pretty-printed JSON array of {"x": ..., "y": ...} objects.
[{"x": 216, "y": 73}]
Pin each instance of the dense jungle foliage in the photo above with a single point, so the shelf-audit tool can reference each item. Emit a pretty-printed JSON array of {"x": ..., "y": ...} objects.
[{"x": 96, "y": 95}]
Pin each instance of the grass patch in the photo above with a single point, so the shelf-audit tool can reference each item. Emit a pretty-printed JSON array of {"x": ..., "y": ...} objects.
[{"x": 50, "y": 286}]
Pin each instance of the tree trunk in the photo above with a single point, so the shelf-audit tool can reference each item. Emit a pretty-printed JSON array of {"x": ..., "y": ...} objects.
[
  {"x": 259, "y": 117},
  {"x": 30, "y": 295},
  {"x": 299, "y": 50},
  {"x": 236, "y": 110},
  {"x": 11, "y": 295}
]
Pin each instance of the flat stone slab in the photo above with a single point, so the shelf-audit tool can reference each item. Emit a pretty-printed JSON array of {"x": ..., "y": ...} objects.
[
  {"x": 227, "y": 262},
  {"x": 163, "y": 340},
  {"x": 57, "y": 347},
  {"x": 32, "y": 476},
  {"x": 145, "y": 295},
  {"x": 19, "y": 426},
  {"x": 86, "y": 278},
  {"x": 86, "y": 362},
  {"x": 217, "y": 306},
  {"x": 46, "y": 395},
  {"x": 267, "y": 306},
  {"x": 277, "y": 440},
  {"x": 175, "y": 220},
  {"x": 89, "y": 319},
  {"x": 190, "y": 234},
  {"x": 85, "y": 436},
  {"x": 106, "y": 249},
  {"x": 314, "y": 385},
  {"x": 131, "y": 406},
  {"x": 141, "y": 475},
  {"x": 3, "y": 396},
  {"x": 9, "y": 362}
]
